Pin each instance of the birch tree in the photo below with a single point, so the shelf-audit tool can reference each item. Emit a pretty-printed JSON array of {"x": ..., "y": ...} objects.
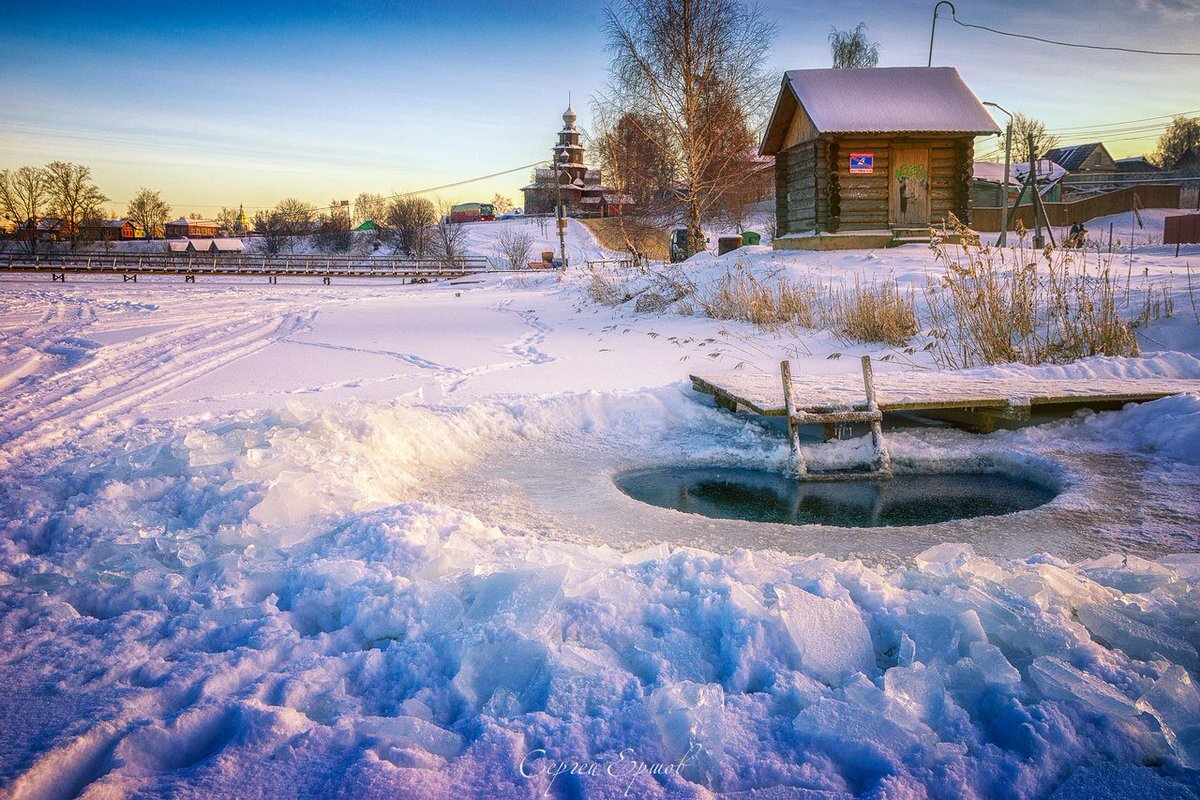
[{"x": 696, "y": 66}]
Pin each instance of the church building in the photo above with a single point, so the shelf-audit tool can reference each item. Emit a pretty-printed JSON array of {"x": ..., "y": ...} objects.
[{"x": 581, "y": 189}]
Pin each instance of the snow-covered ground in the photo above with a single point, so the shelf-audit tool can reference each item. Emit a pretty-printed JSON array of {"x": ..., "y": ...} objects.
[{"x": 362, "y": 540}]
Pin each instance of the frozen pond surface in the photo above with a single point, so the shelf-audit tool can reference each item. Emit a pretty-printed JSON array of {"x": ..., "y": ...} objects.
[{"x": 760, "y": 496}]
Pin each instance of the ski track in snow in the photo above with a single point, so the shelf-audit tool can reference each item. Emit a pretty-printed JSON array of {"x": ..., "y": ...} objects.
[{"x": 98, "y": 384}]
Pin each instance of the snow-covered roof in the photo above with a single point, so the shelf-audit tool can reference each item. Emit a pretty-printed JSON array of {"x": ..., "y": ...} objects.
[
  {"x": 879, "y": 100},
  {"x": 177, "y": 245},
  {"x": 228, "y": 245},
  {"x": 1047, "y": 172}
]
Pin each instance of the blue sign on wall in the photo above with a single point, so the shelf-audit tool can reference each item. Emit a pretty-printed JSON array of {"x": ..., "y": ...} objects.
[{"x": 862, "y": 163}]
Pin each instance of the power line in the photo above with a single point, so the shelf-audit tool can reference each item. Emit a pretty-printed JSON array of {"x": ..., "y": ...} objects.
[
  {"x": 468, "y": 180},
  {"x": 1126, "y": 122},
  {"x": 1070, "y": 44}
]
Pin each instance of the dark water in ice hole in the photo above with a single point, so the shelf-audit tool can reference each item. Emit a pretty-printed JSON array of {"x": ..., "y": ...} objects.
[{"x": 906, "y": 499}]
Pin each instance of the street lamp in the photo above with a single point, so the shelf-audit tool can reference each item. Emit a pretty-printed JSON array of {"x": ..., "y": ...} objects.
[
  {"x": 1003, "y": 240},
  {"x": 933, "y": 27}
]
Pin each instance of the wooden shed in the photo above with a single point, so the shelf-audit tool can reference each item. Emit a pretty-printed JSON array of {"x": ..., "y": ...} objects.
[{"x": 871, "y": 157}]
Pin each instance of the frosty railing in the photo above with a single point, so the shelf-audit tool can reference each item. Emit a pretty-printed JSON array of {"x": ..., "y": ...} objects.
[{"x": 245, "y": 263}]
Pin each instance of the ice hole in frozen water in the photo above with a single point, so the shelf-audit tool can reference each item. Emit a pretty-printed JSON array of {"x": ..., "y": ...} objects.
[{"x": 905, "y": 499}]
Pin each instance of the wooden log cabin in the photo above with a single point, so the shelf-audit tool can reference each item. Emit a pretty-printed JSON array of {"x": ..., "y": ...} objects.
[{"x": 871, "y": 157}]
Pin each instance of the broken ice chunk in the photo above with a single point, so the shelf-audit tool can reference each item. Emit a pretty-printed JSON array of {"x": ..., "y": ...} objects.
[
  {"x": 524, "y": 597},
  {"x": 1134, "y": 638},
  {"x": 863, "y": 740},
  {"x": 518, "y": 666},
  {"x": 992, "y": 664},
  {"x": 1058, "y": 680},
  {"x": 830, "y": 635},
  {"x": 1127, "y": 573},
  {"x": 950, "y": 558},
  {"x": 1175, "y": 703},
  {"x": 411, "y": 732},
  {"x": 691, "y": 719},
  {"x": 907, "y": 651}
]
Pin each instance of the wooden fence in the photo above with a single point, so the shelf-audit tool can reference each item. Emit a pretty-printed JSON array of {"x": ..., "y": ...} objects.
[
  {"x": 190, "y": 265},
  {"x": 1101, "y": 205}
]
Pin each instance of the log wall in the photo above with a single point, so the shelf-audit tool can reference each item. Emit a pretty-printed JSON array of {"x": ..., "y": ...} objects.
[{"x": 816, "y": 191}]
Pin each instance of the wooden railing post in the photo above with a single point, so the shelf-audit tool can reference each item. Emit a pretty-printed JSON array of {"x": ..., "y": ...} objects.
[
  {"x": 883, "y": 459},
  {"x": 799, "y": 464}
]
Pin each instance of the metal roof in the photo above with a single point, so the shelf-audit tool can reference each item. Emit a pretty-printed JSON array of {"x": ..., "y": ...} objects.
[
  {"x": 879, "y": 100},
  {"x": 1070, "y": 158}
]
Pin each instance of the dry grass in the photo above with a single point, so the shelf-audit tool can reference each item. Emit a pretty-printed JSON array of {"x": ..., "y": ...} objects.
[
  {"x": 630, "y": 235},
  {"x": 996, "y": 306},
  {"x": 877, "y": 312},
  {"x": 739, "y": 295}
]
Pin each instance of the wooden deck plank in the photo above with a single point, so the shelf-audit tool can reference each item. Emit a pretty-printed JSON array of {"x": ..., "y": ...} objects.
[{"x": 916, "y": 391}]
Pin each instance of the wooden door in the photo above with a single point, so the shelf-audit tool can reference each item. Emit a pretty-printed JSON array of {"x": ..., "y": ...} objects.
[{"x": 909, "y": 186}]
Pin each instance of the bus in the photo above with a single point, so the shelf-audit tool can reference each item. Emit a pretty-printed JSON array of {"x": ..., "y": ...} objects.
[{"x": 472, "y": 212}]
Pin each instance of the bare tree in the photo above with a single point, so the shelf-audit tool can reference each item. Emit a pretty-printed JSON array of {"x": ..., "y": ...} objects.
[
  {"x": 852, "y": 49},
  {"x": 275, "y": 232},
  {"x": 409, "y": 220},
  {"x": 149, "y": 211},
  {"x": 24, "y": 196},
  {"x": 449, "y": 237},
  {"x": 1022, "y": 128},
  {"x": 516, "y": 247},
  {"x": 296, "y": 215},
  {"x": 333, "y": 232},
  {"x": 1179, "y": 145},
  {"x": 368, "y": 206},
  {"x": 697, "y": 67},
  {"x": 74, "y": 198},
  {"x": 228, "y": 219}
]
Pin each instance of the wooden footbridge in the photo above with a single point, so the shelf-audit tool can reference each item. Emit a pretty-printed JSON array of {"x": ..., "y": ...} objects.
[
  {"x": 976, "y": 403},
  {"x": 271, "y": 267}
]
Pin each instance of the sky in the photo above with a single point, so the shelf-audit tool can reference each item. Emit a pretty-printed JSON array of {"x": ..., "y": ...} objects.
[{"x": 220, "y": 104}]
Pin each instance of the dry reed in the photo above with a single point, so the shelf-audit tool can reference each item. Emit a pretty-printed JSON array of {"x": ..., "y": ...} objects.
[{"x": 996, "y": 305}]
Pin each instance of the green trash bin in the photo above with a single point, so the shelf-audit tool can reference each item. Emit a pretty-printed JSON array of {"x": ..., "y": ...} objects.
[{"x": 750, "y": 237}]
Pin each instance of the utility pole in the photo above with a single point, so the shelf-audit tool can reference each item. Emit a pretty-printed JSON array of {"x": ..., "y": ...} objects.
[
  {"x": 1038, "y": 240},
  {"x": 934, "y": 26},
  {"x": 1003, "y": 240},
  {"x": 560, "y": 220}
]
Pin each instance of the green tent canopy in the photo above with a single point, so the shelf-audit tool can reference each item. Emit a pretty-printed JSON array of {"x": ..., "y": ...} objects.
[{"x": 369, "y": 225}]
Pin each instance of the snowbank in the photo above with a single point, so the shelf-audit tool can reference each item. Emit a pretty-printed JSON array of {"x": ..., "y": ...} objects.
[{"x": 200, "y": 612}]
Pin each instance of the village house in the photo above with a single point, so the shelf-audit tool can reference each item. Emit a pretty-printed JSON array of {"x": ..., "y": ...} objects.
[
  {"x": 581, "y": 189},
  {"x": 871, "y": 157},
  {"x": 108, "y": 230},
  {"x": 1137, "y": 165},
  {"x": 189, "y": 228},
  {"x": 207, "y": 245},
  {"x": 46, "y": 229},
  {"x": 1083, "y": 158}
]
